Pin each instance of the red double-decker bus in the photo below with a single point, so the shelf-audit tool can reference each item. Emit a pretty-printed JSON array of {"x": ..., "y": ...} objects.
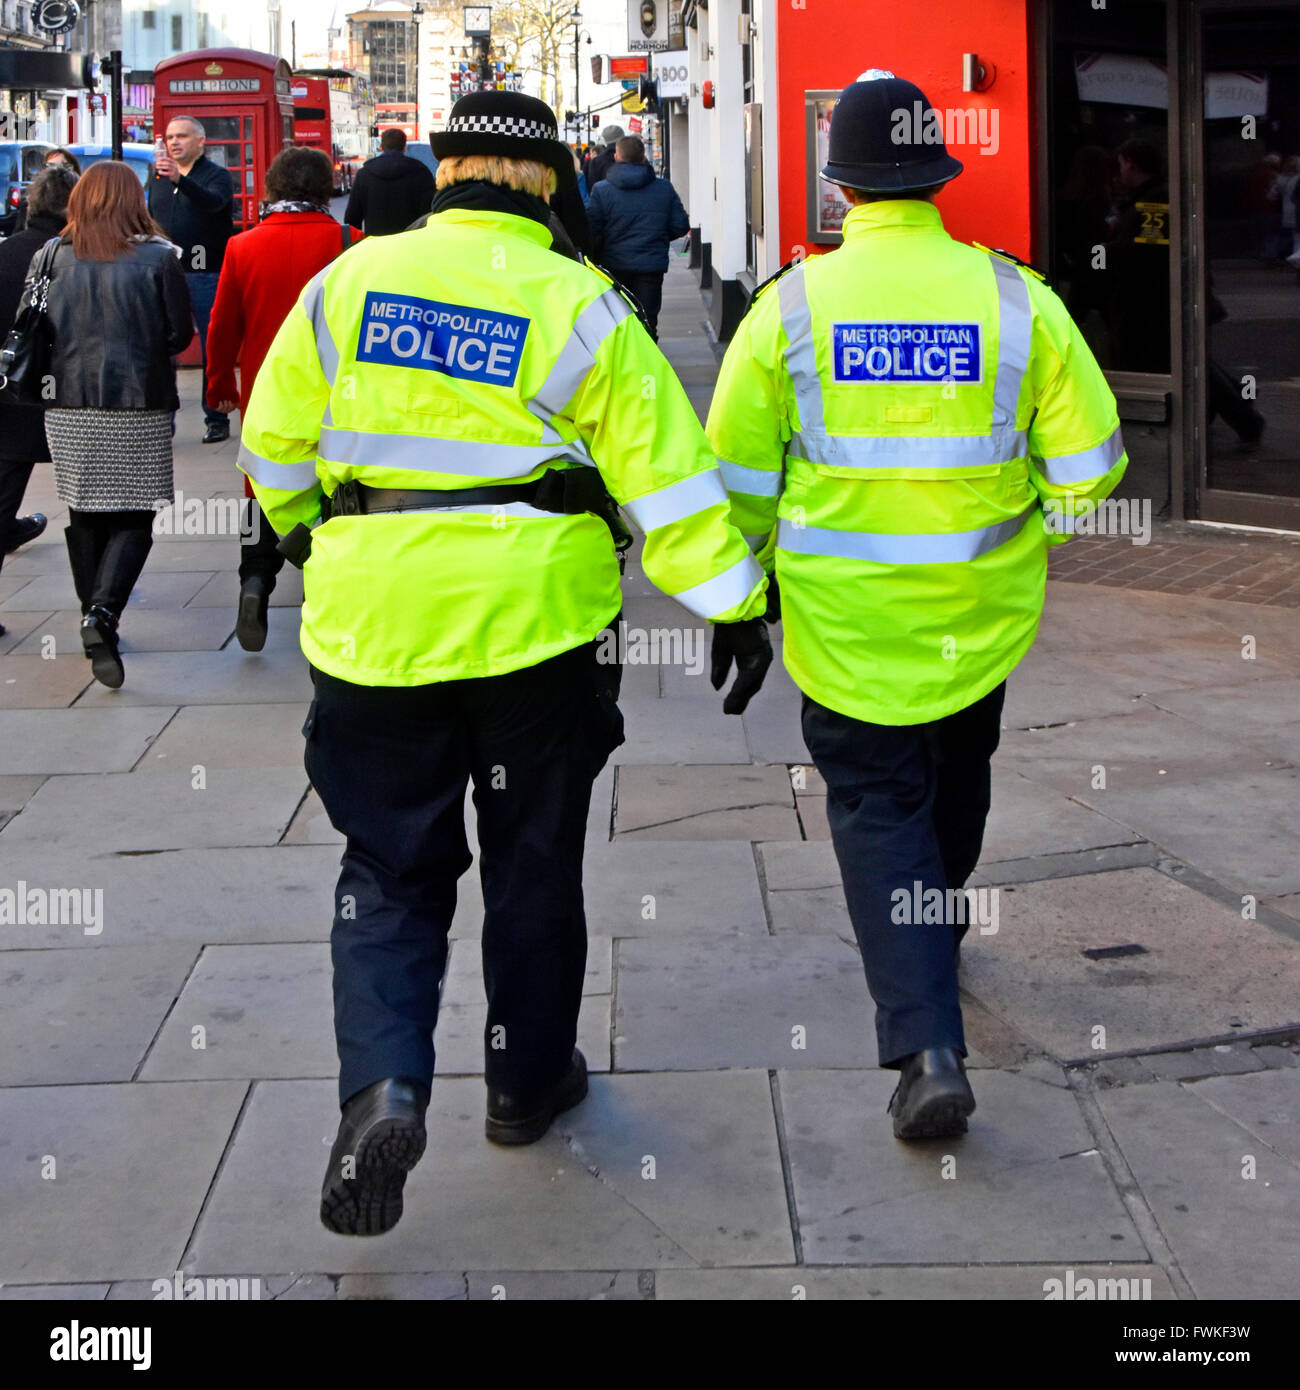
[{"x": 334, "y": 111}]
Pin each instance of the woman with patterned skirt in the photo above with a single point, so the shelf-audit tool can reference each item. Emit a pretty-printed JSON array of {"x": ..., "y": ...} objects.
[{"x": 118, "y": 312}]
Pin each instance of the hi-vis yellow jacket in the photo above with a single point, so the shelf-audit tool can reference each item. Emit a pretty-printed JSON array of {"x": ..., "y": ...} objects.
[
  {"x": 460, "y": 355},
  {"x": 904, "y": 426}
]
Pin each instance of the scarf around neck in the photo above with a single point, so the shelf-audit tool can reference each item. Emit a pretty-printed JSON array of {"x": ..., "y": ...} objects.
[
  {"x": 480, "y": 196},
  {"x": 292, "y": 205}
]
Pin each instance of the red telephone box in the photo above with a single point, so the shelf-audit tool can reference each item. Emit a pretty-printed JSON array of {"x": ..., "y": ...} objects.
[{"x": 245, "y": 103}]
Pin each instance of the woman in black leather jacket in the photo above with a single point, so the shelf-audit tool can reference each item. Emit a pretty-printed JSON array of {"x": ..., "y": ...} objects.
[{"x": 118, "y": 312}]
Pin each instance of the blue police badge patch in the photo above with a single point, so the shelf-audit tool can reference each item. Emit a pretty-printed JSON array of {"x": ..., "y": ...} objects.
[
  {"x": 903, "y": 352},
  {"x": 399, "y": 330}
]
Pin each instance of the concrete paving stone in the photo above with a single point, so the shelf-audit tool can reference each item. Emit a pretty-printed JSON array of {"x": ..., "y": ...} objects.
[
  {"x": 1289, "y": 904},
  {"x": 705, "y": 803},
  {"x": 1263, "y": 712},
  {"x": 1235, "y": 1059},
  {"x": 799, "y": 865},
  {"x": 17, "y": 626},
  {"x": 154, "y": 590},
  {"x": 1028, "y": 819},
  {"x": 662, "y": 731},
  {"x": 424, "y": 1288},
  {"x": 693, "y": 1003},
  {"x": 1238, "y": 828},
  {"x": 222, "y": 896},
  {"x": 473, "y": 1205},
  {"x": 230, "y": 736},
  {"x": 147, "y": 630},
  {"x": 1026, "y": 1183},
  {"x": 51, "y": 1293},
  {"x": 1203, "y": 968},
  {"x": 600, "y": 817},
  {"x": 132, "y": 812},
  {"x": 265, "y": 1011},
  {"x": 812, "y": 817},
  {"x": 554, "y": 1285},
  {"x": 1233, "y": 1236},
  {"x": 77, "y": 1016},
  {"x": 131, "y": 1166},
  {"x": 1267, "y": 1104},
  {"x": 10, "y": 583},
  {"x": 16, "y": 790},
  {"x": 77, "y": 740},
  {"x": 32, "y": 682},
  {"x": 1149, "y": 747},
  {"x": 310, "y": 825},
  {"x": 251, "y": 1288},
  {"x": 458, "y": 1039},
  {"x": 277, "y": 675},
  {"x": 772, "y": 723},
  {"x": 810, "y": 910},
  {"x": 1273, "y": 1055},
  {"x": 896, "y": 1282},
  {"x": 221, "y": 590},
  {"x": 1181, "y": 1066},
  {"x": 463, "y": 981},
  {"x": 1067, "y": 865},
  {"x": 1050, "y": 689}
]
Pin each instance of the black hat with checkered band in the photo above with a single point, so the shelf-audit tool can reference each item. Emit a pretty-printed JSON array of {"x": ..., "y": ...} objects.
[{"x": 507, "y": 124}]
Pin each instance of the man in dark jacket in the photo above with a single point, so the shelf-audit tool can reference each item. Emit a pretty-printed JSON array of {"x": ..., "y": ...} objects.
[
  {"x": 22, "y": 427},
  {"x": 192, "y": 200},
  {"x": 391, "y": 190},
  {"x": 599, "y": 164},
  {"x": 633, "y": 217}
]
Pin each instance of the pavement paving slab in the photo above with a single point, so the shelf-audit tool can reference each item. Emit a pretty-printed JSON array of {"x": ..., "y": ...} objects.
[
  {"x": 228, "y": 736},
  {"x": 458, "y": 1041},
  {"x": 77, "y": 740},
  {"x": 1264, "y": 1103},
  {"x": 70, "y": 1016},
  {"x": 1025, "y": 1185},
  {"x": 132, "y": 812},
  {"x": 130, "y": 1165},
  {"x": 149, "y": 630},
  {"x": 19, "y": 626},
  {"x": 1233, "y": 1235},
  {"x": 50, "y": 1293},
  {"x": 705, "y": 803},
  {"x": 657, "y": 732},
  {"x": 231, "y": 676},
  {"x": 1202, "y": 971},
  {"x": 1026, "y": 818},
  {"x": 221, "y": 590},
  {"x": 474, "y": 1206},
  {"x": 694, "y": 1003},
  {"x": 32, "y": 682},
  {"x": 155, "y": 590}
]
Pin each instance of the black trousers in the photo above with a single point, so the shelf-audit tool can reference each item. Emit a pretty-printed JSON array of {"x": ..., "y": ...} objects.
[
  {"x": 392, "y": 766},
  {"x": 907, "y": 806},
  {"x": 648, "y": 286},
  {"x": 13, "y": 484},
  {"x": 258, "y": 556}
]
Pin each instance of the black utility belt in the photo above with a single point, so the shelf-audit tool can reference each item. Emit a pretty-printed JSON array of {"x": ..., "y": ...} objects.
[{"x": 565, "y": 491}]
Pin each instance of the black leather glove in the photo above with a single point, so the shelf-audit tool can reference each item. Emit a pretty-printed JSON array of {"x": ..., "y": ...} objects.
[
  {"x": 773, "y": 611},
  {"x": 748, "y": 644}
]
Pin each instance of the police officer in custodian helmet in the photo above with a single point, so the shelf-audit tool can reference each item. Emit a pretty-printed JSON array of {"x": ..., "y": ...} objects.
[
  {"x": 905, "y": 425},
  {"x": 454, "y": 412}
]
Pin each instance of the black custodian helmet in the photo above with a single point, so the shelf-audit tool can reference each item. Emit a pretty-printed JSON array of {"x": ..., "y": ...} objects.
[{"x": 879, "y": 142}]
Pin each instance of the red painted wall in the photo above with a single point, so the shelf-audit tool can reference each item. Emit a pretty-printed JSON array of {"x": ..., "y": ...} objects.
[{"x": 827, "y": 43}]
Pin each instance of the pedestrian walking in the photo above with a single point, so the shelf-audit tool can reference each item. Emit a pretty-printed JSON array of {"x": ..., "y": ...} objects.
[
  {"x": 22, "y": 427},
  {"x": 599, "y": 163},
  {"x": 391, "y": 190},
  {"x": 633, "y": 217},
  {"x": 466, "y": 406},
  {"x": 191, "y": 199},
  {"x": 905, "y": 425},
  {"x": 262, "y": 275},
  {"x": 118, "y": 313}
]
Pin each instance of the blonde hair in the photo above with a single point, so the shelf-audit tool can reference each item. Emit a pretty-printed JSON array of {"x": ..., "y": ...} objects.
[{"x": 525, "y": 175}]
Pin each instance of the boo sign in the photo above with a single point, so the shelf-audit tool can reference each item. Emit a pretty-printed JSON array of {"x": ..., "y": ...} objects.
[
  {"x": 399, "y": 330},
  {"x": 896, "y": 352}
]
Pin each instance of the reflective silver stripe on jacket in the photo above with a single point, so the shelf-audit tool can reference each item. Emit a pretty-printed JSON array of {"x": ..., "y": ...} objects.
[
  {"x": 285, "y": 477},
  {"x": 1087, "y": 464},
  {"x": 1002, "y": 444},
  {"x": 678, "y": 500},
  {"x": 722, "y": 592},
  {"x": 942, "y": 548},
  {"x": 596, "y": 322},
  {"x": 313, "y": 302},
  {"x": 428, "y": 454},
  {"x": 754, "y": 482}
]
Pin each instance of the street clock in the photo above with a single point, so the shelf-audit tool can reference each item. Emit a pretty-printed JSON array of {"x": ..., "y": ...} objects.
[{"x": 478, "y": 21}]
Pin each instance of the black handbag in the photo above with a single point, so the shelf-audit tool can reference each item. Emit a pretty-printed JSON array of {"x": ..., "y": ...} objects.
[{"x": 25, "y": 358}]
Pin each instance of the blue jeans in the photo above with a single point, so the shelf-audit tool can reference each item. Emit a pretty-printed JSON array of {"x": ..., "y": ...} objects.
[{"x": 203, "y": 290}]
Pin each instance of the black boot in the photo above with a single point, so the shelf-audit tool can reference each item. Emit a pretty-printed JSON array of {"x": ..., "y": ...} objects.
[
  {"x": 524, "y": 1119},
  {"x": 381, "y": 1138},
  {"x": 99, "y": 638},
  {"x": 83, "y": 556},
  {"x": 933, "y": 1097},
  {"x": 250, "y": 619}
]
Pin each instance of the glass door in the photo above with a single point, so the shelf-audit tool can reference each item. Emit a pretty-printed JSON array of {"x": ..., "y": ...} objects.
[
  {"x": 1246, "y": 345},
  {"x": 232, "y": 137}
]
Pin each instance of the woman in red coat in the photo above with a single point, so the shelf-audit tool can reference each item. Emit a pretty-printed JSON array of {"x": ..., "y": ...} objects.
[{"x": 262, "y": 274}]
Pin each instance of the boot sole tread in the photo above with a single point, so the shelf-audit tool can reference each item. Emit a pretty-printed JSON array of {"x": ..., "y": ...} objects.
[{"x": 371, "y": 1203}]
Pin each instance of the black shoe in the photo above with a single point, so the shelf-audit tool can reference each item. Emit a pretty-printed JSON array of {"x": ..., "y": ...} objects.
[
  {"x": 217, "y": 433},
  {"x": 933, "y": 1097},
  {"x": 250, "y": 620},
  {"x": 514, "y": 1121},
  {"x": 24, "y": 529},
  {"x": 381, "y": 1138},
  {"x": 99, "y": 638}
]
